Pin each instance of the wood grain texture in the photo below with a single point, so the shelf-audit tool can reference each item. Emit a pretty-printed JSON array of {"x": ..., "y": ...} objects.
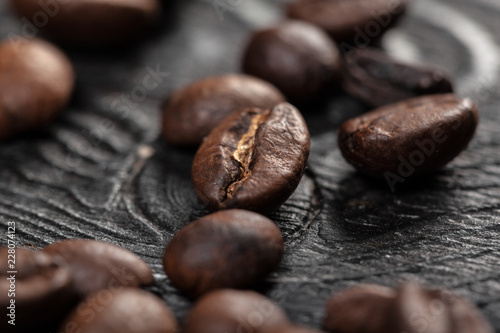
[{"x": 102, "y": 172}]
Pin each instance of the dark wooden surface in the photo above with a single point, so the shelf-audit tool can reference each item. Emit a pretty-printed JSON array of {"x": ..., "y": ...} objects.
[{"x": 129, "y": 188}]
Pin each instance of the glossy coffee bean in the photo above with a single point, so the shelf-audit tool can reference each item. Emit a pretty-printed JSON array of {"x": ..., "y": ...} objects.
[
  {"x": 377, "y": 79},
  {"x": 90, "y": 23},
  {"x": 354, "y": 21},
  {"x": 227, "y": 249},
  {"x": 96, "y": 265},
  {"x": 193, "y": 111},
  {"x": 36, "y": 82},
  {"x": 40, "y": 288},
  {"x": 296, "y": 57},
  {"x": 427, "y": 311},
  {"x": 254, "y": 159},
  {"x": 232, "y": 311},
  {"x": 409, "y": 138},
  {"x": 360, "y": 309},
  {"x": 121, "y": 311}
]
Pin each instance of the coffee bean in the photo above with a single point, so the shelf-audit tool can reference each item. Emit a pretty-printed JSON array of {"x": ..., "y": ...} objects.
[
  {"x": 254, "y": 159},
  {"x": 84, "y": 23},
  {"x": 427, "y": 311},
  {"x": 413, "y": 300},
  {"x": 36, "y": 82},
  {"x": 41, "y": 289},
  {"x": 353, "y": 21},
  {"x": 121, "y": 311},
  {"x": 412, "y": 137},
  {"x": 96, "y": 265},
  {"x": 192, "y": 112},
  {"x": 227, "y": 249},
  {"x": 377, "y": 79},
  {"x": 467, "y": 318},
  {"x": 360, "y": 309},
  {"x": 296, "y": 57},
  {"x": 410, "y": 308},
  {"x": 232, "y": 311}
]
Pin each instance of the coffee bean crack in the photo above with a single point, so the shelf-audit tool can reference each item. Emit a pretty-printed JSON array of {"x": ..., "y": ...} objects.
[{"x": 244, "y": 154}]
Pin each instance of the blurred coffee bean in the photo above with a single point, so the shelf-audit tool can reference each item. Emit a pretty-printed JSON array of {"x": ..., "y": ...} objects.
[
  {"x": 415, "y": 301},
  {"x": 354, "y": 21},
  {"x": 232, "y": 311},
  {"x": 254, "y": 159},
  {"x": 36, "y": 294},
  {"x": 296, "y": 57},
  {"x": 422, "y": 310},
  {"x": 227, "y": 249},
  {"x": 36, "y": 82},
  {"x": 360, "y": 309},
  {"x": 467, "y": 317},
  {"x": 121, "y": 311},
  {"x": 377, "y": 79},
  {"x": 90, "y": 23},
  {"x": 96, "y": 265},
  {"x": 193, "y": 111},
  {"x": 410, "y": 308},
  {"x": 409, "y": 138}
]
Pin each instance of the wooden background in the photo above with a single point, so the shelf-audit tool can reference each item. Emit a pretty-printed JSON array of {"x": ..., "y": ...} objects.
[{"x": 122, "y": 184}]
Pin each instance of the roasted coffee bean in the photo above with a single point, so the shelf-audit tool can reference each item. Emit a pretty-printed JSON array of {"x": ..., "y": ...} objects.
[
  {"x": 410, "y": 308},
  {"x": 409, "y": 138},
  {"x": 96, "y": 265},
  {"x": 90, "y": 23},
  {"x": 37, "y": 295},
  {"x": 428, "y": 311},
  {"x": 360, "y": 309},
  {"x": 377, "y": 79},
  {"x": 227, "y": 249},
  {"x": 121, "y": 311},
  {"x": 232, "y": 311},
  {"x": 192, "y": 112},
  {"x": 254, "y": 159},
  {"x": 296, "y": 57},
  {"x": 353, "y": 21},
  {"x": 36, "y": 82},
  {"x": 466, "y": 318}
]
